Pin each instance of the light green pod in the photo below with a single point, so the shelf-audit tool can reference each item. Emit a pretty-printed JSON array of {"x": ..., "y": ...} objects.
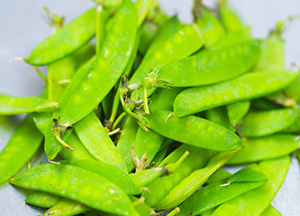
[
  {"x": 293, "y": 128},
  {"x": 66, "y": 207},
  {"x": 237, "y": 111},
  {"x": 248, "y": 86},
  {"x": 42, "y": 199},
  {"x": 271, "y": 211},
  {"x": 142, "y": 8},
  {"x": 261, "y": 123},
  {"x": 219, "y": 116}
]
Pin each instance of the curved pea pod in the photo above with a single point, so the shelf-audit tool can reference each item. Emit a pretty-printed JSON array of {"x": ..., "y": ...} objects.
[
  {"x": 212, "y": 66},
  {"x": 127, "y": 141},
  {"x": 267, "y": 147},
  {"x": 256, "y": 201},
  {"x": 292, "y": 91},
  {"x": 220, "y": 174},
  {"x": 271, "y": 211},
  {"x": 94, "y": 137},
  {"x": 84, "y": 54},
  {"x": 141, "y": 207},
  {"x": 148, "y": 31},
  {"x": 219, "y": 116},
  {"x": 220, "y": 192},
  {"x": 162, "y": 186},
  {"x": 12, "y": 105},
  {"x": 193, "y": 182},
  {"x": 42, "y": 199},
  {"x": 67, "y": 207},
  {"x": 142, "y": 9},
  {"x": 65, "y": 41},
  {"x": 248, "y": 86},
  {"x": 293, "y": 128},
  {"x": 77, "y": 184},
  {"x": 21, "y": 147},
  {"x": 262, "y": 123},
  {"x": 193, "y": 131},
  {"x": 89, "y": 87},
  {"x": 237, "y": 111},
  {"x": 108, "y": 171},
  {"x": 41, "y": 120}
]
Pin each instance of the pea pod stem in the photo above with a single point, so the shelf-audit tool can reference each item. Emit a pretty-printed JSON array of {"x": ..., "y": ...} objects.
[
  {"x": 145, "y": 99},
  {"x": 172, "y": 167},
  {"x": 40, "y": 74},
  {"x": 174, "y": 212},
  {"x": 118, "y": 120},
  {"x": 111, "y": 133}
]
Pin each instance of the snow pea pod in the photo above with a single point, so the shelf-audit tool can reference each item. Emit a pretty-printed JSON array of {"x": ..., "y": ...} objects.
[
  {"x": 237, "y": 111},
  {"x": 77, "y": 184},
  {"x": 221, "y": 191},
  {"x": 260, "y": 123},
  {"x": 271, "y": 211},
  {"x": 192, "y": 130},
  {"x": 142, "y": 8},
  {"x": 161, "y": 187},
  {"x": 127, "y": 141},
  {"x": 193, "y": 182},
  {"x": 84, "y": 54},
  {"x": 219, "y": 116},
  {"x": 212, "y": 66},
  {"x": 148, "y": 31},
  {"x": 66, "y": 41},
  {"x": 220, "y": 174},
  {"x": 42, "y": 199},
  {"x": 12, "y": 105},
  {"x": 267, "y": 147},
  {"x": 94, "y": 137},
  {"x": 89, "y": 87},
  {"x": 21, "y": 147},
  {"x": 256, "y": 201},
  {"x": 67, "y": 207},
  {"x": 293, "y": 128},
  {"x": 248, "y": 86}
]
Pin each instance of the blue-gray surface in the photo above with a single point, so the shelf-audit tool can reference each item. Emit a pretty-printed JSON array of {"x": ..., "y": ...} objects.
[{"x": 23, "y": 27}]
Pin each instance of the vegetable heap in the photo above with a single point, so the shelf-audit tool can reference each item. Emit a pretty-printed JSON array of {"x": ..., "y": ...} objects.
[{"x": 142, "y": 121}]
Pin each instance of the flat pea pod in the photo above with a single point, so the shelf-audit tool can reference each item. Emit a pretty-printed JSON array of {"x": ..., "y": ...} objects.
[
  {"x": 12, "y": 105},
  {"x": 108, "y": 171},
  {"x": 21, "y": 147},
  {"x": 193, "y": 131},
  {"x": 67, "y": 207},
  {"x": 94, "y": 137},
  {"x": 89, "y": 87},
  {"x": 248, "y": 86},
  {"x": 256, "y": 201},
  {"x": 220, "y": 192},
  {"x": 42, "y": 199},
  {"x": 197, "y": 158},
  {"x": 77, "y": 184},
  {"x": 293, "y": 128},
  {"x": 237, "y": 111},
  {"x": 193, "y": 182},
  {"x": 212, "y": 66},
  {"x": 271, "y": 211},
  {"x": 82, "y": 55},
  {"x": 292, "y": 91},
  {"x": 260, "y": 123},
  {"x": 219, "y": 116},
  {"x": 65, "y": 41},
  {"x": 220, "y": 174},
  {"x": 142, "y": 8},
  {"x": 268, "y": 147},
  {"x": 148, "y": 31},
  {"x": 127, "y": 141}
]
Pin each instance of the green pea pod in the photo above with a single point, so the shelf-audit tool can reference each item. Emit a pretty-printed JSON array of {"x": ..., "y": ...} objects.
[
  {"x": 220, "y": 174},
  {"x": 94, "y": 137},
  {"x": 162, "y": 186},
  {"x": 161, "y": 154},
  {"x": 143, "y": 8},
  {"x": 271, "y": 211},
  {"x": 267, "y": 147},
  {"x": 41, "y": 120},
  {"x": 212, "y": 66},
  {"x": 108, "y": 171},
  {"x": 141, "y": 207},
  {"x": 66, "y": 41},
  {"x": 210, "y": 27},
  {"x": 219, "y": 116},
  {"x": 90, "y": 86},
  {"x": 221, "y": 191},
  {"x": 208, "y": 213},
  {"x": 292, "y": 91},
  {"x": 127, "y": 141},
  {"x": 193, "y": 182},
  {"x": 264, "y": 104},
  {"x": 84, "y": 54},
  {"x": 256, "y": 201},
  {"x": 262, "y": 123},
  {"x": 42, "y": 199},
  {"x": 21, "y": 147},
  {"x": 67, "y": 207},
  {"x": 237, "y": 111},
  {"x": 248, "y": 86},
  {"x": 12, "y": 105},
  {"x": 293, "y": 128},
  {"x": 148, "y": 32},
  {"x": 193, "y": 131},
  {"x": 77, "y": 184}
]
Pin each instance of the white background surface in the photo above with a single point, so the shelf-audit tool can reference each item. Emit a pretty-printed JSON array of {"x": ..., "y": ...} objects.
[{"x": 22, "y": 27}]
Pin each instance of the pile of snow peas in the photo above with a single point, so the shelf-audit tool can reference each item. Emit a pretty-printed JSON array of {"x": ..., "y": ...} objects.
[{"x": 144, "y": 119}]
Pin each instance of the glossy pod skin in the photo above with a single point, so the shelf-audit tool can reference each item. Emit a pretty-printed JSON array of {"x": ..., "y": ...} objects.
[
  {"x": 256, "y": 201},
  {"x": 94, "y": 137},
  {"x": 42, "y": 199},
  {"x": 262, "y": 123},
  {"x": 66, "y": 41},
  {"x": 237, "y": 111},
  {"x": 218, "y": 192},
  {"x": 271, "y": 211},
  {"x": 192, "y": 130},
  {"x": 142, "y": 9},
  {"x": 21, "y": 147},
  {"x": 77, "y": 184},
  {"x": 268, "y": 147},
  {"x": 12, "y": 105},
  {"x": 248, "y": 86},
  {"x": 193, "y": 182},
  {"x": 67, "y": 207},
  {"x": 219, "y": 116},
  {"x": 212, "y": 66}
]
